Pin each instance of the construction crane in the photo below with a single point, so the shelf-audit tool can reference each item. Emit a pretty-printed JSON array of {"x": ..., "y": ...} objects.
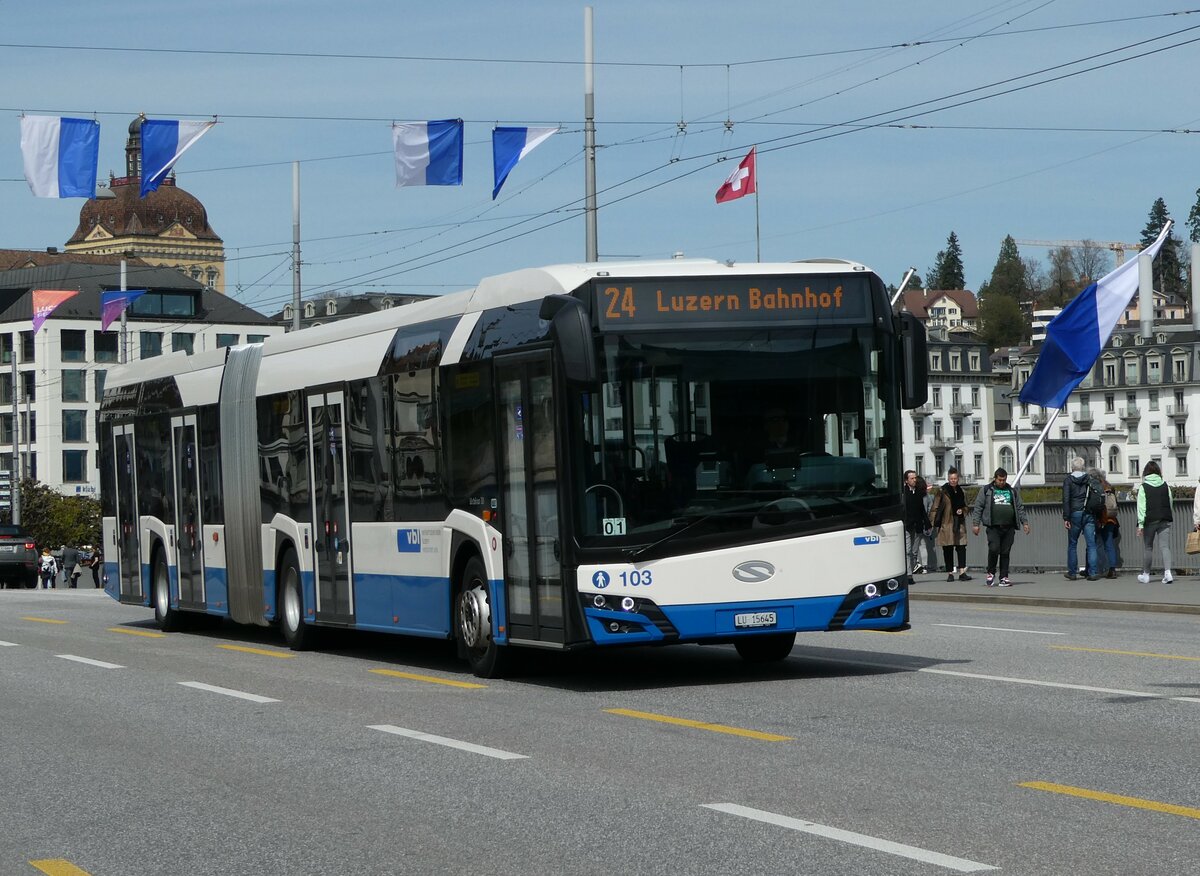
[{"x": 1118, "y": 248}]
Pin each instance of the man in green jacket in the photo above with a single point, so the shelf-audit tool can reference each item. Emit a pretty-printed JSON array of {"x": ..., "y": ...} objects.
[{"x": 998, "y": 506}]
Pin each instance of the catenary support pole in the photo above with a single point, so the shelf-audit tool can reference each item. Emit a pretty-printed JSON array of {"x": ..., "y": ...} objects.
[
  {"x": 295, "y": 246},
  {"x": 589, "y": 139}
]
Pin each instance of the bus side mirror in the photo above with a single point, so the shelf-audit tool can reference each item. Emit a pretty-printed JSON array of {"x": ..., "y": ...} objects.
[
  {"x": 914, "y": 362},
  {"x": 572, "y": 333}
]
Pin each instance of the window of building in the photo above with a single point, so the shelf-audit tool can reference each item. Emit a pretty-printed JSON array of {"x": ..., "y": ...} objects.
[
  {"x": 956, "y": 396},
  {"x": 1155, "y": 432},
  {"x": 386, "y": 304},
  {"x": 1154, "y": 370},
  {"x": 1133, "y": 434},
  {"x": 1181, "y": 465},
  {"x": 1134, "y": 468},
  {"x": 1131, "y": 371},
  {"x": 183, "y": 342},
  {"x": 937, "y": 396},
  {"x": 976, "y": 429},
  {"x": 955, "y": 362},
  {"x": 1180, "y": 370},
  {"x": 255, "y": 339},
  {"x": 6, "y": 349},
  {"x": 1006, "y": 460},
  {"x": 74, "y": 345},
  {"x": 105, "y": 345},
  {"x": 1063, "y": 434},
  {"x": 226, "y": 340},
  {"x": 27, "y": 354},
  {"x": 977, "y": 462},
  {"x": 1110, "y": 403},
  {"x": 74, "y": 386},
  {"x": 973, "y": 360},
  {"x": 958, "y": 430},
  {"x": 166, "y": 303},
  {"x": 1179, "y": 399},
  {"x": 287, "y": 312},
  {"x": 151, "y": 344},
  {"x": 99, "y": 375},
  {"x": 28, "y": 386},
  {"x": 938, "y": 466},
  {"x": 1114, "y": 459},
  {"x": 919, "y": 466},
  {"x": 937, "y": 430},
  {"x": 1024, "y": 409},
  {"x": 74, "y": 466},
  {"x": 974, "y": 396},
  {"x": 310, "y": 310},
  {"x": 331, "y": 307},
  {"x": 1154, "y": 399},
  {"x": 74, "y": 425},
  {"x": 918, "y": 430},
  {"x": 1110, "y": 374}
]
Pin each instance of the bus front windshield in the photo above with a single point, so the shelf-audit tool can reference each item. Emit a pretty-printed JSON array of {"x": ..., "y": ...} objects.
[{"x": 734, "y": 436}]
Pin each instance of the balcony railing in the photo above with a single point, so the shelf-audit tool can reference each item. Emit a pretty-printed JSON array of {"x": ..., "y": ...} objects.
[
  {"x": 1178, "y": 442},
  {"x": 923, "y": 411},
  {"x": 941, "y": 445},
  {"x": 958, "y": 409},
  {"x": 1082, "y": 418},
  {"x": 1133, "y": 412},
  {"x": 1040, "y": 418},
  {"x": 1179, "y": 411}
]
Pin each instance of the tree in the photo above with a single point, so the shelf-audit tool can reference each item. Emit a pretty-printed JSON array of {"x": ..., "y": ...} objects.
[
  {"x": 1168, "y": 267},
  {"x": 1008, "y": 276},
  {"x": 53, "y": 519},
  {"x": 947, "y": 271},
  {"x": 1089, "y": 262},
  {"x": 1001, "y": 322},
  {"x": 1063, "y": 284},
  {"x": 1193, "y": 220}
]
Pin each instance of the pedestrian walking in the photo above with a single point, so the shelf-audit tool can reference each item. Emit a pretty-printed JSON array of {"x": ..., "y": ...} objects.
[
  {"x": 1154, "y": 520},
  {"x": 930, "y": 564},
  {"x": 94, "y": 563},
  {"x": 47, "y": 569},
  {"x": 70, "y": 563},
  {"x": 1108, "y": 528},
  {"x": 1082, "y": 497},
  {"x": 998, "y": 507},
  {"x": 948, "y": 517},
  {"x": 915, "y": 521}
]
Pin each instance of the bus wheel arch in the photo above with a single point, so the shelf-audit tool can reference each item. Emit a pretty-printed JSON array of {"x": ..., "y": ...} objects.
[
  {"x": 167, "y": 619},
  {"x": 297, "y": 632},
  {"x": 472, "y": 618}
]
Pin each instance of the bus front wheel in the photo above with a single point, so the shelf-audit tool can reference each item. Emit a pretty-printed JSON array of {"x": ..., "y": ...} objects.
[
  {"x": 297, "y": 632},
  {"x": 765, "y": 649},
  {"x": 168, "y": 619},
  {"x": 473, "y": 624}
]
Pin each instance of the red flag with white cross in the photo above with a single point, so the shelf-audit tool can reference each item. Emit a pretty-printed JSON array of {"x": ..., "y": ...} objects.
[{"x": 741, "y": 182}]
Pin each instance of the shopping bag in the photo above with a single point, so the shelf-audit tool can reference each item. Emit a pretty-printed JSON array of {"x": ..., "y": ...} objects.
[{"x": 1193, "y": 542}]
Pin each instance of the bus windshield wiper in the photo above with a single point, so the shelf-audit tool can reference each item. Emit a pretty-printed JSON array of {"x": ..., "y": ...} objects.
[{"x": 692, "y": 524}]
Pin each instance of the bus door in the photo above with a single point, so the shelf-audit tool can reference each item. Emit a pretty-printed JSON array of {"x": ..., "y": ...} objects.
[
  {"x": 129, "y": 560},
  {"x": 533, "y": 573},
  {"x": 189, "y": 533},
  {"x": 330, "y": 507}
]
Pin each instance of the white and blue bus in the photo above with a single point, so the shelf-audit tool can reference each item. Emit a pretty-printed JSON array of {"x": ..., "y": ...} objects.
[{"x": 578, "y": 455}]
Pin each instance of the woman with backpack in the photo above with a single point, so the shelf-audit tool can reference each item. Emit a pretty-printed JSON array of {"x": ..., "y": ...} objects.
[
  {"x": 1154, "y": 519},
  {"x": 948, "y": 516},
  {"x": 1108, "y": 528},
  {"x": 47, "y": 569}
]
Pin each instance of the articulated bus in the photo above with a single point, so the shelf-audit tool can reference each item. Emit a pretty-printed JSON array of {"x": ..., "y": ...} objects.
[{"x": 578, "y": 455}]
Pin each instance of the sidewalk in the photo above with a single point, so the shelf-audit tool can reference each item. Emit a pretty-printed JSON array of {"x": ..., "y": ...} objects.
[{"x": 1051, "y": 589}]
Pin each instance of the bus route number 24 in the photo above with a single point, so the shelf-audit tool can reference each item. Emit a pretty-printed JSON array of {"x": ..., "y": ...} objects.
[{"x": 620, "y": 302}]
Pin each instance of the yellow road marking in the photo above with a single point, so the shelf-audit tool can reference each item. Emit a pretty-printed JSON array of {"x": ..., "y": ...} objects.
[
  {"x": 1125, "y": 653},
  {"x": 58, "y": 867},
  {"x": 45, "y": 620},
  {"x": 700, "y": 725},
  {"x": 449, "y": 682},
  {"x": 147, "y": 633},
  {"x": 282, "y": 655},
  {"x": 1118, "y": 799}
]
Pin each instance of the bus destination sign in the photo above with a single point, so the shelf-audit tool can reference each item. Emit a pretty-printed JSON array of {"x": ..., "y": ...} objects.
[{"x": 732, "y": 301}]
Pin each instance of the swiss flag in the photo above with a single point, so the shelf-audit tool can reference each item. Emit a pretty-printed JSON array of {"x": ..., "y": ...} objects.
[{"x": 741, "y": 182}]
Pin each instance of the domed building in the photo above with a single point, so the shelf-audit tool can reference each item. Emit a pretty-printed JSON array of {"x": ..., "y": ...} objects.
[{"x": 167, "y": 228}]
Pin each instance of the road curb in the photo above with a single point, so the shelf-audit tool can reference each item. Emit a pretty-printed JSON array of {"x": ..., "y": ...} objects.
[{"x": 1046, "y": 602}]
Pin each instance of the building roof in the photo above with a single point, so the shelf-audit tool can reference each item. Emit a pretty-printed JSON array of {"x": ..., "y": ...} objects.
[
  {"x": 14, "y": 259},
  {"x": 918, "y": 301},
  {"x": 128, "y": 215},
  {"x": 16, "y": 302}
]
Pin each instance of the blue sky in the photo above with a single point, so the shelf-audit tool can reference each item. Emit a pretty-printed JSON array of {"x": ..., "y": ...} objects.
[{"x": 781, "y": 72}]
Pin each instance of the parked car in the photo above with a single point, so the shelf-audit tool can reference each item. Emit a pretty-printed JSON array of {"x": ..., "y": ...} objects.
[{"x": 18, "y": 557}]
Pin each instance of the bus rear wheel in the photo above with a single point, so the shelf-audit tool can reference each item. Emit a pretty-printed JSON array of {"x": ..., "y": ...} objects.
[
  {"x": 168, "y": 619},
  {"x": 297, "y": 632},
  {"x": 473, "y": 624},
  {"x": 765, "y": 649}
]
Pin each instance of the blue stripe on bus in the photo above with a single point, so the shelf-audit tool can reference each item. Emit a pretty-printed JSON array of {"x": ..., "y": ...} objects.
[
  {"x": 499, "y": 611},
  {"x": 419, "y": 604}
]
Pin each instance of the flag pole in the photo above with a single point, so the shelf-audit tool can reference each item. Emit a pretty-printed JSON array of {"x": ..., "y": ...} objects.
[
  {"x": 757, "y": 232},
  {"x": 1036, "y": 444}
]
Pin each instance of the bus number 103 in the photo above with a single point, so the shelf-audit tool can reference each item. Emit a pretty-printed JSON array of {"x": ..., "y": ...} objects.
[
  {"x": 636, "y": 578},
  {"x": 620, "y": 301}
]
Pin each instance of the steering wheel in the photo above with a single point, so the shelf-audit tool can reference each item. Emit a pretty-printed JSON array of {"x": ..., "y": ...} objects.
[{"x": 774, "y": 513}]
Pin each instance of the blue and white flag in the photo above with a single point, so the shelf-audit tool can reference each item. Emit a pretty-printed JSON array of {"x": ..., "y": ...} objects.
[
  {"x": 510, "y": 145},
  {"x": 1076, "y": 336},
  {"x": 163, "y": 141},
  {"x": 428, "y": 153},
  {"x": 60, "y": 155}
]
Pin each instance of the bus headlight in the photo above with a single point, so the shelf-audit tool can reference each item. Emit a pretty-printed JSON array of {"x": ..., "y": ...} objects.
[
  {"x": 627, "y": 603},
  {"x": 883, "y": 611},
  {"x": 871, "y": 591},
  {"x": 599, "y": 601},
  {"x": 893, "y": 584}
]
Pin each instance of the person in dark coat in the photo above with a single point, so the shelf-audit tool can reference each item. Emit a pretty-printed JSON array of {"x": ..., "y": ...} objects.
[
  {"x": 915, "y": 521},
  {"x": 998, "y": 507},
  {"x": 70, "y": 566},
  {"x": 948, "y": 516}
]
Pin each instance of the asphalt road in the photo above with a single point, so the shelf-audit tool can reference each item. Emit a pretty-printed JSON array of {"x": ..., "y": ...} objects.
[{"x": 1017, "y": 738}]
